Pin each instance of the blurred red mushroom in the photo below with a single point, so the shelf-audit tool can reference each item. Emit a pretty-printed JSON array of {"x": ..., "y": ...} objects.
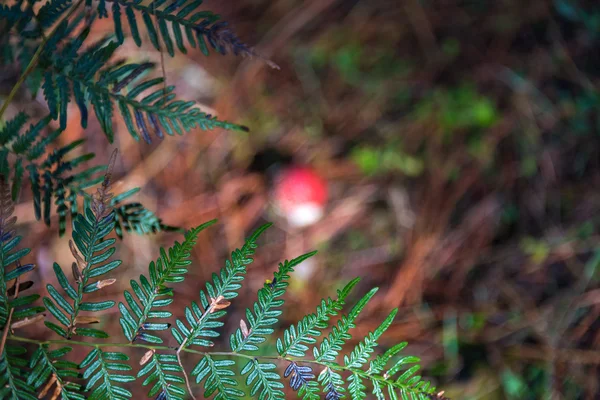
[{"x": 300, "y": 195}]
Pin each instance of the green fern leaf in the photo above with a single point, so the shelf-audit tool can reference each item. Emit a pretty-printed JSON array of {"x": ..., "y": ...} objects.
[
  {"x": 13, "y": 376},
  {"x": 263, "y": 378},
  {"x": 215, "y": 299},
  {"x": 134, "y": 217},
  {"x": 169, "y": 268},
  {"x": 218, "y": 378},
  {"x": 103, "y": 371},
  {"x": 265, "y": 312},
  {"x": 13, "y": 306},
  {"x": 49, "y": 364},
  {"x": 161, "y": 370},
  {"x": 91, "y": 250},
  {"x": 203, "y": 26},
  {"x": 296, "y": 338}
]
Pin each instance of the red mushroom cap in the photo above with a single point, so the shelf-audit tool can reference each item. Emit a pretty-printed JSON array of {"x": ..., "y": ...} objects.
[{"x": 300, "y": 195}]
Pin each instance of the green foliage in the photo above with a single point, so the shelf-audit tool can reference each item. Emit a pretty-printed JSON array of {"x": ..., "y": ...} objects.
[
  {"x": 92, "y": 250},
  {"x": 55, "y": 181},
  {"x": 182, "y": 18},
  {"x": 50, "y": 47},
  {"x": 154, "y": 293},
  {"x": 88, "y": 76},
  {"x": 458, "y": 108},
  {"x": 11, "y": 268},
  {"x": 50, "y": 366},
  {"x": 13, "y": 377},
  {"x": 104, "y": 374},
  {"x": 385, "y": 159},
  {"x": 103, "y": 370},
  {"x": 134, "y": 217},
  {"x": 52, "y": 178},
  {"x": 68, "y": 71},
  {"x": 161, "y": 370}
]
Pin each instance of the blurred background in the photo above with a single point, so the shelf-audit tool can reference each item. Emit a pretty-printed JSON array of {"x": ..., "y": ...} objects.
[{"x": 454, "y": 146}]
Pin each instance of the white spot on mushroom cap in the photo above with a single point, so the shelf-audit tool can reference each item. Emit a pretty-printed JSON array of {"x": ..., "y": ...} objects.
[{"x": 305, "y": 214}]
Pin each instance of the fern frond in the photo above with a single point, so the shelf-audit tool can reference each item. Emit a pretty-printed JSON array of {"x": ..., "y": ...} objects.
[
  {"x": 363, "y": 350},
  {"x": 12, "y": 306},
  {"x": 91, "y": 250},
  {"x": 174, "y": 19},
  {"x": 134, "y": 217},
  {"x": 103, "y": 371},
  {"x": 151, "y": 294},
  {"x": 302, "y": 380},
  {"x": 161, "y": 370},
  {"x": 51, "y": 11},
  {"x": 263, "y": 377},
  {"x": 295, "y": 338},
  {"x": 333, "y": 384},
  {"x": 248, "y": 337},
  {"x": 145, "y": 105},
  {"x": 332, "y": 345},
  {"x": 55, "y": 185},
  {"x": 53, "y": 179},
  {"x": 331, "y": 381},
  {"x": 13, "y": 377},
  {"x": 218, "y": 378},
  {"x": 12, "y": 128},
  {"x": 204, "y": 319},
  {"x": 50, "y": 371},
  {"x": 361, "y": 354}
]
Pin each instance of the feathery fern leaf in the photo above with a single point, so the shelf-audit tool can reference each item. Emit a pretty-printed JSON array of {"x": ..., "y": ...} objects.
[
  {"x": 248, "y": 337},
  {"x": 161, "y": 369},
  {"x": 407, "y": 386},
  {"x": 169, "y": 268},
  {"x": 103, "y": 371},
  {"x": 52, "y": 179},
  {"x": 12, "y": 307},
  {"x": 260, "y": 375},
  {"x": 332, "y": 345},
  {"x": 91, "y": 250},
  {"x": 51, "y": 11},
  {"x": 331, "y": 381},
  {"x": 295, "y": 339},
  {"x": 50, "y": 371},
  {"x": 15, "y": 311},
  {"x": 218, "y": 378},
  {"x": 13, "y": 377},
  {"x": 215, "y": 299},
  {"x": 135, "y": 217},
  {"x": 263, "y": 377},
  {"x": 204, "y": 319},
  {"x": 174, "y": 18},
  {"x": 89, "y": 77},
  {"x": 360, "y": 355}
]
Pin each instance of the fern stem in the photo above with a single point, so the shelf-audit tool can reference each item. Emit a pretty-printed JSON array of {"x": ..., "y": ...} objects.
[
  {"x": 185, "y": 376},
  {"x": 34, "y": 60},
  {"x": 333, "y": 366}
]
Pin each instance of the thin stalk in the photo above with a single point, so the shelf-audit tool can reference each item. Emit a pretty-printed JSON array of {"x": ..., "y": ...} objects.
[{"x": 230, "y": 354}]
